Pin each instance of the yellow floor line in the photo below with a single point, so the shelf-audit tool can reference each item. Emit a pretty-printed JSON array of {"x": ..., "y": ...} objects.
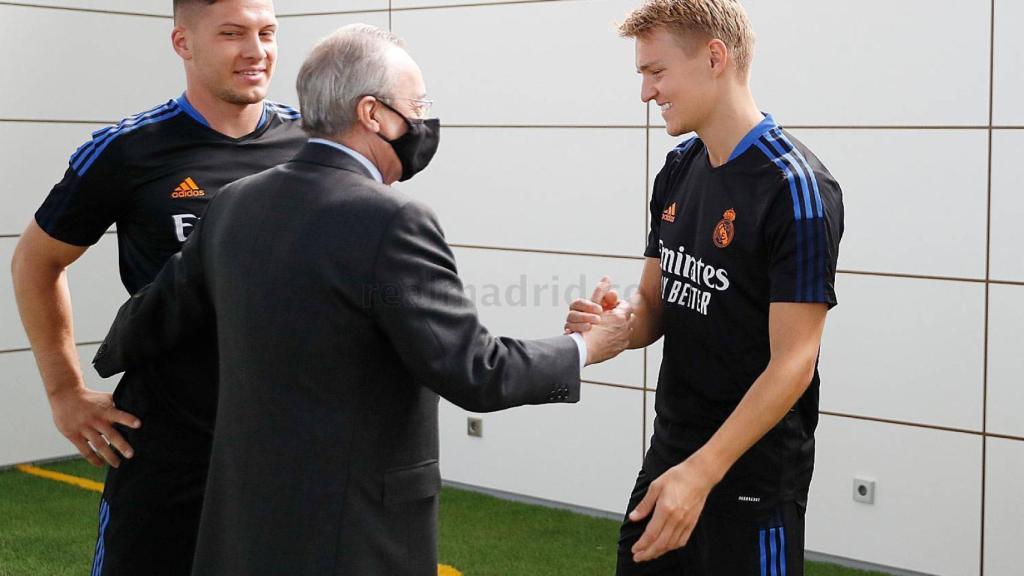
[
  {"x": 65, "y": 478},
  {"x": 442, "y": 569}
]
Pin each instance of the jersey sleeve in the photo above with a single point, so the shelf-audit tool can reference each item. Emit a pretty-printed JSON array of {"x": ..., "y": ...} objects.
[
  {"x": 659, "y": 193},
  {"x": 653, "y": 249},
  {"x": 803, "y": 231},
  {"x": 89, "y": 199}
]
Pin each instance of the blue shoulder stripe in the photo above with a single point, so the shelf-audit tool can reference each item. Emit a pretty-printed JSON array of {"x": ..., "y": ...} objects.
[
  {"x": 284, "y": 111},
  {"x": 98, "y": 134},
  {"x": 786, "y": 144},
  {"x": 814, "y": 213},
  {"x": 772, "y": 155},
  {"x": 685, "y": 144},
  {"x": 773, "y": 139},
  {"x": 809, "y": 222},
  {"x": 798, "y": 214},
  {"x": 86, "y": 155}
]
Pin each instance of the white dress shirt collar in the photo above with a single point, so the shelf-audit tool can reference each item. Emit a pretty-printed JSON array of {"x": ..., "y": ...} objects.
[{"x": 362, "y": 159}]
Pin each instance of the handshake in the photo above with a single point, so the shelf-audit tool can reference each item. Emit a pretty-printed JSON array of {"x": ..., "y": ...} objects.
[{"x": 604, "y": 321}]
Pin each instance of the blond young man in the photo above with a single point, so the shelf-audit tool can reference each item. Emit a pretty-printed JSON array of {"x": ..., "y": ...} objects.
[
  {"x": 153, "y": 174},
  {"x": 740, "y": 270}
]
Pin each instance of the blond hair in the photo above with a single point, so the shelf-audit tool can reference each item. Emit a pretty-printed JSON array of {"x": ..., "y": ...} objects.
[{"x": 725, "y": 20}]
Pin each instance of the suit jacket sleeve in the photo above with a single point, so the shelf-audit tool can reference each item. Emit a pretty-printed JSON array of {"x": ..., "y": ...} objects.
[
  {"x": 159, "y": 316},
  {"x": 419, "y": 302}
]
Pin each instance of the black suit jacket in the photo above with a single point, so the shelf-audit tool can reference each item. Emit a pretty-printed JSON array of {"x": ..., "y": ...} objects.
[{"x": 340, "y": 317}]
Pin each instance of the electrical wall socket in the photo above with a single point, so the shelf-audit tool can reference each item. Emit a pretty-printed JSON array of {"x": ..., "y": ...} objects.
[
  {"x": 475, "y": 427},
  {"x": 864, "y": 490}
]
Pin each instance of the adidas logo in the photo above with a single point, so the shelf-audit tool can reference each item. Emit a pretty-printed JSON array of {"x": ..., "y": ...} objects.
[
  {"x": 669, "y": 215},
  {"x": 187, "y": 189}
]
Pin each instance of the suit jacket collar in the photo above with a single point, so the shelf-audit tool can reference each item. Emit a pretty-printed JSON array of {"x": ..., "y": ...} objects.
[{"x": 313, "y": 153}]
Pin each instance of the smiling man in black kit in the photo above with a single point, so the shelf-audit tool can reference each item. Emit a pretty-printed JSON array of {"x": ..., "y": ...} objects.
[
  {"x": 153, "y": 175},
  {"x": 740, "y": 272}
]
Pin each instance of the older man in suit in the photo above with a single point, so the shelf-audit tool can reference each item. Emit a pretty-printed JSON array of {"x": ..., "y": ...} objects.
[{"x": 340, "y": 317}]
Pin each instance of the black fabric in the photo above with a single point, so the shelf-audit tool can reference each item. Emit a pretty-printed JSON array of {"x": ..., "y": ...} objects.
[
  {"x": 762, "y": 228},
  {"x": 154, "y": 510},
  {"x": 337, "y": 328},
  {"x": 728, "y": 540}
]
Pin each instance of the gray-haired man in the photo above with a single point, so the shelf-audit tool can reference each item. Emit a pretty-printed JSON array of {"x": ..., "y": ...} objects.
[{"x": 340, "y": 318}]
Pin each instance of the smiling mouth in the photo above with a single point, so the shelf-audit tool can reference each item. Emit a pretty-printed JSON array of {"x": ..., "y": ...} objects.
[
  {"x": 665, "y": 107},
  {"x": 251, "y": 73}
]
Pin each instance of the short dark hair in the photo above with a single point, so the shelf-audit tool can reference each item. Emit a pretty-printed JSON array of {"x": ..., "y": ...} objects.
[{"x": 181, "y": 5}]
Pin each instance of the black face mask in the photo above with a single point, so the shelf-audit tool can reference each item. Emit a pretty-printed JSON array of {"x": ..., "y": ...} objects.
[{"x": 417, "y": 146}]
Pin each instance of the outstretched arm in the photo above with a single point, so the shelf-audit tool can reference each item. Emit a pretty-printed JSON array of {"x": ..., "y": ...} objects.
[{"x": 420, "y": 303}]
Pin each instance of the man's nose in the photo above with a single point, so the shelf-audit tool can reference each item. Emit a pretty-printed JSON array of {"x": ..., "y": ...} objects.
[
  {"x": 253, "y": 47},
  {"x": 647, "y": 91}
]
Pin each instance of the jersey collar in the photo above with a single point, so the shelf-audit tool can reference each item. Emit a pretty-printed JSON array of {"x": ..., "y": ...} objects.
[
  {"x": 764, "y": 126},
  {"x": 191, "y": 111}
]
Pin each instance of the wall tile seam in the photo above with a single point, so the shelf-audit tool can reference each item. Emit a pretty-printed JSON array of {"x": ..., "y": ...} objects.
[{"x": 77, "y": 345}]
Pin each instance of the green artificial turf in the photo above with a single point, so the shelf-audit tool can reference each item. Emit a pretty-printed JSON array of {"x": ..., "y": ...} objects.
[
  {"x": 49, "y": 529},
  {"x": 46, "y": 527}
]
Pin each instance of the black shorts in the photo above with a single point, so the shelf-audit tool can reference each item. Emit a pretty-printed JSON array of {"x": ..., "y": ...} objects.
[
  {"x": 149, "y": 513},
  {"x": 769, "y": 542}
]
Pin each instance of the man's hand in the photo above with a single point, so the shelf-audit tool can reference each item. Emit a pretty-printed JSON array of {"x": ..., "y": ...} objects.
[
  {"x": 585, "y": 313},
  {"x": 677, "y": 498},
  {"x": 612, "y": 324},
  {"x": 87, "y": 418}
]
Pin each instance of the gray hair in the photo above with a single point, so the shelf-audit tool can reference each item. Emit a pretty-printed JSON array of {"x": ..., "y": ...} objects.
[{"x": 341, "y": 69}]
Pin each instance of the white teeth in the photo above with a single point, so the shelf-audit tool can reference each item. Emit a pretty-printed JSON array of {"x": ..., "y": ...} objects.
[{"x": 666, "y": 106}]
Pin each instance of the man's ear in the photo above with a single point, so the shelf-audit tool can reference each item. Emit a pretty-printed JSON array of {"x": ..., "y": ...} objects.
[
  {"x": 718, "y": 54},
  {"x": 181, "y": 42},
  {"x": 366, "y": 110}
]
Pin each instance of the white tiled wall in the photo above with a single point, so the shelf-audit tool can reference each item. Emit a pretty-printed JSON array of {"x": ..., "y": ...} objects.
[
  {"x": 1008, "y": 66},
  {"x": 541, "y": 185},
  {"x": 95, "y": 286},
  {"x": 1004, "y": 506},
  {"x": 1006, "y": 360},
  {"x": 1007, "y": 205},
  {"x": 151, "y": 7},
  {"x": 24, "y": 146},
  {"x": 299, "y": 7},
  {"x": 25, "y": 419},
  {"x": 873, "y": 62},
  {"x": 296, "y": 37},
  {"x": 899, "y": 187},
  {"x": 555, "y": 63},
  {"x": 906, "y": 349},
  {"x": 590, "y": 200},
  {"x": 80, "y": 73},
  {"x": 584, "y": 454},
  {"x": 926, "y": 513}
]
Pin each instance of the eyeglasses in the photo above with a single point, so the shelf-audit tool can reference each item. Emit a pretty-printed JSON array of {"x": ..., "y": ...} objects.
[{"x": 420, "y": 106}]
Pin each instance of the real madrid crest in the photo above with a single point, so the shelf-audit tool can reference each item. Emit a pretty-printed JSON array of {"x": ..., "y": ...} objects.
[{"x": 725, "y": 230}]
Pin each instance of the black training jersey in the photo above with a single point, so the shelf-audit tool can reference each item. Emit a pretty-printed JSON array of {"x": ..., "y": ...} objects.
[
  {"x": 764, "y": 227},
  {"x": 152, "y": 175}
]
